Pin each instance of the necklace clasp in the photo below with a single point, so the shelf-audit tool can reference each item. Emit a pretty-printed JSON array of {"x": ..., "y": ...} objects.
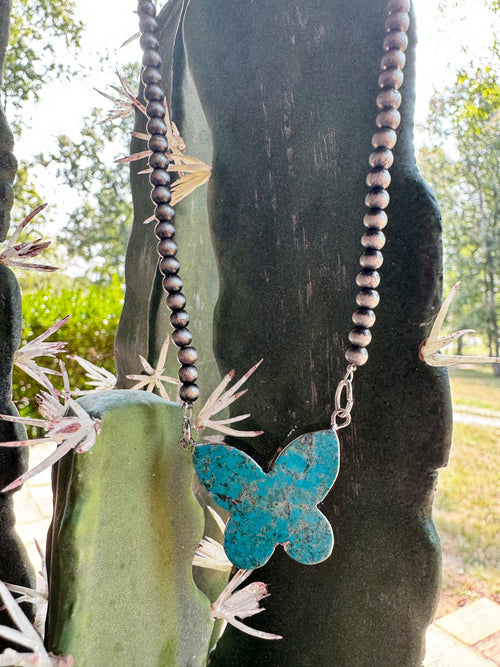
[
  {"x": 343, "y": 412},
  {"x": 186, "y": 441}
]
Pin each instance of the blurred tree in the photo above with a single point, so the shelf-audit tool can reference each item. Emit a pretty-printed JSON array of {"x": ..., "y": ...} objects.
[
  {"x": 99, "y": 227},
  {"x": 38, "y": 30},
  {"x": 463, "y": 166}
]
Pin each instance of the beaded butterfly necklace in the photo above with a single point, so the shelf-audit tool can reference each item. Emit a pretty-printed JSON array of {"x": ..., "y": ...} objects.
[{"x": 280, "y": 506}]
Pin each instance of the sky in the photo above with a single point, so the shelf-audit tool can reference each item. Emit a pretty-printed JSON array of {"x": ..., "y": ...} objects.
[{"x": 445, "y": 43}]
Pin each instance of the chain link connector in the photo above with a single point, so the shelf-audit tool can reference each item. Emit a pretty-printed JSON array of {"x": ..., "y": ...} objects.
[
  {"x": 186, "y": 441},
  {"x": 343, "y": 412}
]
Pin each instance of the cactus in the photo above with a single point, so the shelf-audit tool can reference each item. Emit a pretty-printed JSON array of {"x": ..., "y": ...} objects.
[
  {"x": 8, "y": 162},
  {"x": 120, "y": 549},
  {"x": 14, "y": 565},
  {"x": 288, "y": 91}
]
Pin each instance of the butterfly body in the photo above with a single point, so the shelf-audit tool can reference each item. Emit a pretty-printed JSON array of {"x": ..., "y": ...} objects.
[{"x": 278, "y": 507}]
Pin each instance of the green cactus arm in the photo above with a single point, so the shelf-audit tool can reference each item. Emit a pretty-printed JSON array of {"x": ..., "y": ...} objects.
[{"x": 120, "y": 549}]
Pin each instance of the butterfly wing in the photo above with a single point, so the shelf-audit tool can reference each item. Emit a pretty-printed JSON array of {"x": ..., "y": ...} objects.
[
  {"x": 250, "y": 538},
  {"x": 310, "y": 538},
  {"x": 309, "y": 465},
  {"x": 238, "y": 483},
  {"x": 228, "y": 474}
]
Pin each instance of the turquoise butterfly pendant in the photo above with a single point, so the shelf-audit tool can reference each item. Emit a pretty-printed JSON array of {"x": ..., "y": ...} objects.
[{"x": 278, "y": 507}]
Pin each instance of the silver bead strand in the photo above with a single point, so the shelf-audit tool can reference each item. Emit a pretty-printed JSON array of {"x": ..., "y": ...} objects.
[{"x": 378, "y": 179}]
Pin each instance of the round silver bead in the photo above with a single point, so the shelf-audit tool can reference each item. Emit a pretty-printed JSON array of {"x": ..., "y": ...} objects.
[
  {"x": 371, "y": 259},
  {"x": 169, "y": 265},
  {"x": 164, "y": 230},
  {"x": 188, "y": 373},
  {"x": 378, "y": 178},
  {"x": 187, "y": 355},
  {"x": 389, "y": 98},
  {"x": 393, "y": 58},
  {"x": 149, "y": 40},
  {"x": 154, "y": 109},
  {"x": 176, "y": 301},
  {"x": 179, "y": 319},
  {"x": 391, "y": 78},
  {"x": 147, "y": 7},
  {"x": 376, "y": 219},
  {"x": 173, "y": 284},
  {"x": 388, "y": 118},
  {"x": 189, "y": 392},
  {"x": 182, "y": 337},
  {"x": 397, "y": 21},
  {"x": 367, "y": 278},
  {"x": 368, "y": 298},
  {"x": 358, "y": 356},
  {"x": 360, "y": 337},
  {"x": 364, "y": 317},
  {"x": 160, "y": 194},
  {"x": 377, "y": 198},
  {"x": 385, "y": 137},
  {"x": 382, "y": 157},
  {"x": 373, "y": 239},
  {"x": 158, "y": 143},
  {"x": 159, "y": 177},
  {"x": 396, "y": 39},
  {"x": 398, "y": 6},
  {"x": 167, "y": 247}
]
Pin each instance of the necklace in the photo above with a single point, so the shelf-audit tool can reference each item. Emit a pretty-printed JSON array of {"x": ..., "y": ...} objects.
[{"x": 280, "y": 506}]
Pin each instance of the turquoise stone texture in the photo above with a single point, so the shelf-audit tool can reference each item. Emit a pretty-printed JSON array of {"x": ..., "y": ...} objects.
[{"x": 278, "y": 507}]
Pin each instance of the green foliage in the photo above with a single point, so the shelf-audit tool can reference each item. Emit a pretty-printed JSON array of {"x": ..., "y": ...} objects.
[
  {"x": 463, "y": 167},
  {"x": 39, "y": 29},
  {"x": 25, "y": 192},
  {"x": 444, "y": 5},
  {"x": 95, "y": 310},
  {"x": 494, "y": 5}
]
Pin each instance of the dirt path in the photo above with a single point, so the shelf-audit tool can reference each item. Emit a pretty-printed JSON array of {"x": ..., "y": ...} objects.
[{"x": 464, "y": 415}]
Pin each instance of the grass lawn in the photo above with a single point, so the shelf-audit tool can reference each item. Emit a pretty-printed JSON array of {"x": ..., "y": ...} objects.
[
  {"x": 475, "y": 388},
  {"x": 467, "y": 504}
]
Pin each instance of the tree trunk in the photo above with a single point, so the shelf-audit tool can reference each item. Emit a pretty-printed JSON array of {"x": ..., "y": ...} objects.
[
  {"x": 491, "y": 308},
  {"x": 288, "y": 93}
]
